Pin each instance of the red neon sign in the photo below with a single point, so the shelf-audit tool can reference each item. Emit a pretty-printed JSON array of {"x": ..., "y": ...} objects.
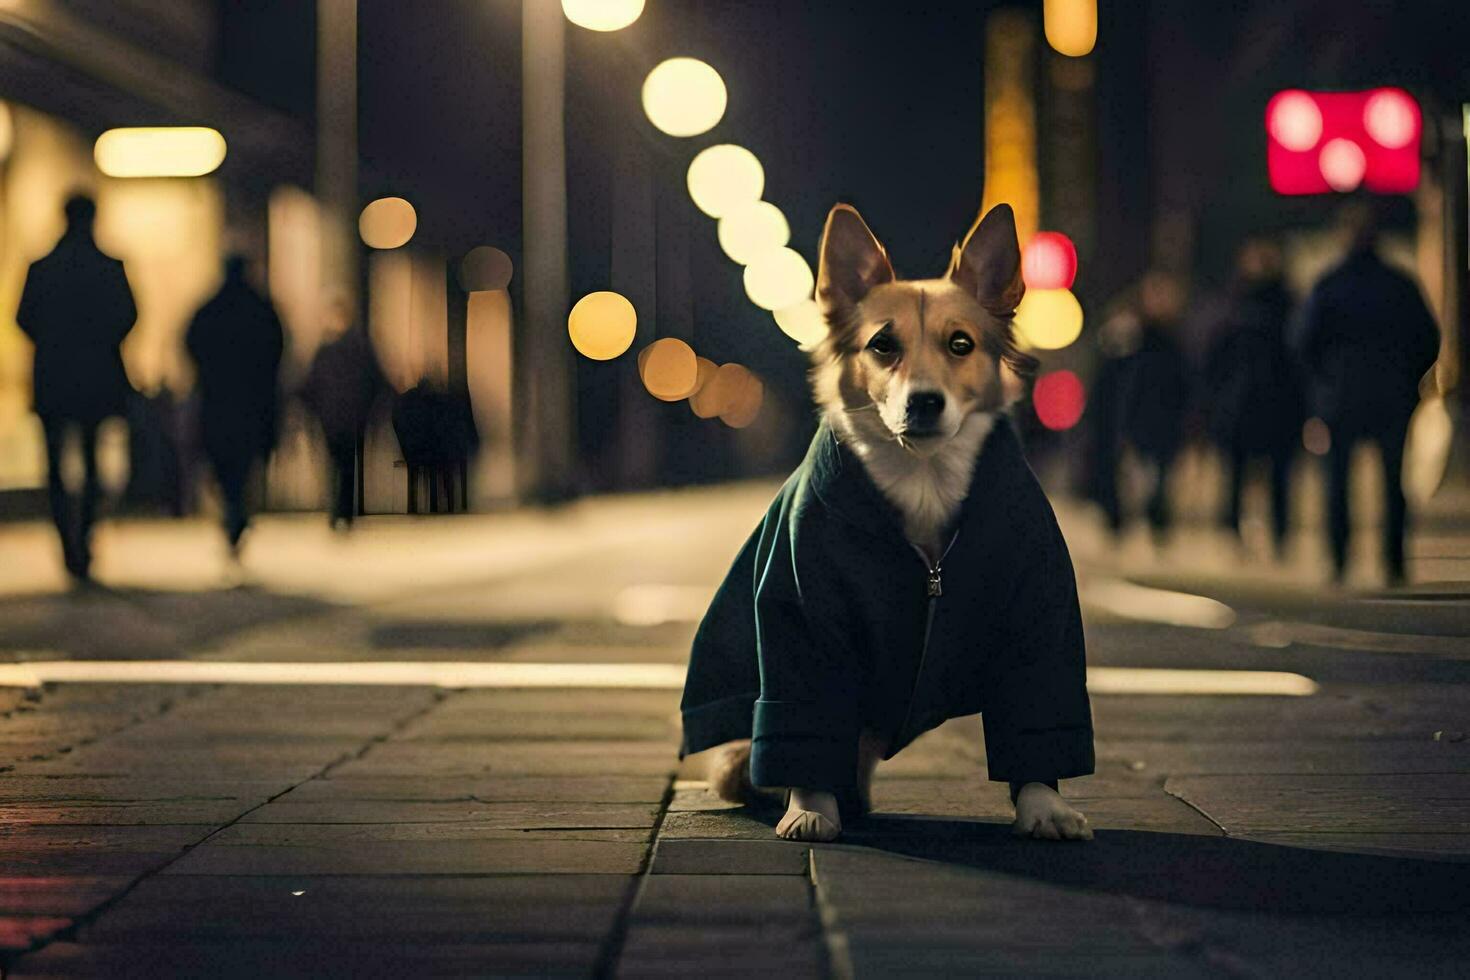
[{"x": 1325, "y": 142}]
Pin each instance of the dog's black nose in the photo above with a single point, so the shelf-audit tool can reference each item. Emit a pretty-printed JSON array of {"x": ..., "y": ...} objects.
[{"x": 923, "y": 410}]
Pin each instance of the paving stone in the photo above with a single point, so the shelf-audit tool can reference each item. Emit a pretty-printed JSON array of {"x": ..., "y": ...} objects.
[
  {"x": 462, "y": 727},
  {"x": 783, "y": 948},
  {"x": 313, "y": 959},
  {"x": 124, "y": 814},
  {"x": 694, "y": 796},
  {"x": 713, "y": 857},
  {"x": 1432, "y": 846},
  {"x": 18, "y": 787},
  {"x": 525, "y": 908},
  {"x": 57, "y": 895},
  {"x": 927, "y": 959},
  {"x": 273, "y": 834},
  {"x": 1288, "y": 755},
  {"x": 720, "y": 825},
  {"x": 541, "y": 758},
  {"x": 513, "y": 856},
  {"x": 484, "y": 788},
  {"x": 1337, "y": 803},
  {"x": 508, "y": 816},
  {"x": 723, "y": 899}
]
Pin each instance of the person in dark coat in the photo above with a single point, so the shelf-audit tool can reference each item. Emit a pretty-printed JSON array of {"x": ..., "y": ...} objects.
[
  {"x": 236, "y": 342},
  {"x": 1153, "y": 381},
  {"x": 76, "y": 308},
  {"x": 341, "y": 388},
  {"x": 830, "y": 624},
  {"x": 1366, "y": 338},
  {"x": 1255, "y": 399}
]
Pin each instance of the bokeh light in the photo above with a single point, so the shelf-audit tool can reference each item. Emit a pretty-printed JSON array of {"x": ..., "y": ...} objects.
[
  {"x": 778, "y": 278},
  {"x": 745, "y": 402},
  {"x": 753, "y": 228},
  {"x": 1049, "y": 261},
  {"x": 159, "y": 151},
  {"x": 1391, "y": 118},
  {"x": 388, "y": 222},
  {"x": 484, "y": 269},
  {"x": 1343, "y": 164},
  {"x": 684, "y": 97},
  {"x": 704, "y": 373},
  {"x": 803, "y": 322},
  {"x": 1316, "y": 437},
  {"x": 1294, "y": 119},
  {"x": 602, "y": 15},
  {"x": 669, "y": 369},
  {"x": 7, "y": 131},
  {"x": 1059, "y": 399},
  {"x": 602, "y": 325},
  {"x": 724, "y": 178},
  {"x": 705, "y": 400},
  {"x": 1070, "y": 26},
  {"x": 1049, "y": 319}
]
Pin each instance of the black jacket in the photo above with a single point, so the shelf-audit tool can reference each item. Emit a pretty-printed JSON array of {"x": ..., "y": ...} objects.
[
  {"x": 236, "y": 342},
  {"x": 77, "y": 308},
  {"x": 827, "y": 624},
  {"x": 1366, "y": 337}
]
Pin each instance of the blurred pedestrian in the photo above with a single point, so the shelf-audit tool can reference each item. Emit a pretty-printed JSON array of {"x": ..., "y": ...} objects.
[
  {"x": 1253, "y": 391},
  {"x": 236, "y": 342},
  {"x": 341, "y": 388},
  {"x": 1153, "y": 390},
  {"x": 77, "y": 307},
  {"x": 1366, "y": 338}
]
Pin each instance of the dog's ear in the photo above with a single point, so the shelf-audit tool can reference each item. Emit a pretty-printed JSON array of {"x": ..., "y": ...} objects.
[
  {"x": 852, "y": 262},
  {"x": 987, "y": 264}
]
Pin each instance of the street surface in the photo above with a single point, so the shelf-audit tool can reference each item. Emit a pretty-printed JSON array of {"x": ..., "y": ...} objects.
[{"x": 1319, "y": 826}]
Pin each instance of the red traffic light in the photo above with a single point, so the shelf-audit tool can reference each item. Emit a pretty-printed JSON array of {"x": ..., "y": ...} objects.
[{"x": 1321, "y": 142}]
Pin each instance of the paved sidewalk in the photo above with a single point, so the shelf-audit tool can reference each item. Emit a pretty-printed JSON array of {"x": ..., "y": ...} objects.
[{"x": 283, "y": 830}]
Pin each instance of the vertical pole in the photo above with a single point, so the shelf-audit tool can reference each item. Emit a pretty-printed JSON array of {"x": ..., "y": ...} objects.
[
  {"x": 336, "y": 148},
  {"x": 544, "y": 402}
]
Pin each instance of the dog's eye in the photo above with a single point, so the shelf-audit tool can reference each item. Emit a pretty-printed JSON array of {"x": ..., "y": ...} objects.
[
  {"x": 882, "y": 344},
  {"x": 960, "y": 345}
]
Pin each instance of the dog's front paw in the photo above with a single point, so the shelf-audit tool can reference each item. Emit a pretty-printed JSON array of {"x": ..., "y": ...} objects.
[{"x": 1042, "y": 813}]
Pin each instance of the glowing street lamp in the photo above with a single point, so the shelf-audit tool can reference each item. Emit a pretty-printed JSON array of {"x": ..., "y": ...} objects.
[
  {"x": 602, "y": 15},
  {"x": 159, "y": 151}
]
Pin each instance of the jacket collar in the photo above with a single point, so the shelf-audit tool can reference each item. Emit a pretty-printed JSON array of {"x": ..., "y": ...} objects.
[{"x": 839, "y": 479}]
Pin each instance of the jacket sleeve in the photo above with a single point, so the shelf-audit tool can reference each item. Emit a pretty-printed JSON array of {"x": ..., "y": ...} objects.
[
  {"x": 1038, "y": 720},
  {"x": 807, "y": 717},
  {"x": 28, "y": 314}
]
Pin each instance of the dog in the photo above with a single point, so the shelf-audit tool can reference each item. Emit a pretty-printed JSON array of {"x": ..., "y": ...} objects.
[{"x": 913, "y": 380}]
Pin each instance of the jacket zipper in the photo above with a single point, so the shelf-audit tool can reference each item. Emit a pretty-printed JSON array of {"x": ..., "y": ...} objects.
[{"x": 934, "y": 588}]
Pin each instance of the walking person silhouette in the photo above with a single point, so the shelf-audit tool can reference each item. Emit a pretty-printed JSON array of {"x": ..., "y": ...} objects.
[
  {"x": 1366, "y": 338},
  {"x": 76, "y": 308},
  {"x": 236, "y": 342}
]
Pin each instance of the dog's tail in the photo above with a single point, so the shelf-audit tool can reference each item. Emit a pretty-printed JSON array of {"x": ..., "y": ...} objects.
[{"x": 729, "y": 775}]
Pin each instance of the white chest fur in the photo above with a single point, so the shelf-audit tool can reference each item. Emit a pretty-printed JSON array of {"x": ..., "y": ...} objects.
[{"x": 926, "y": 490}]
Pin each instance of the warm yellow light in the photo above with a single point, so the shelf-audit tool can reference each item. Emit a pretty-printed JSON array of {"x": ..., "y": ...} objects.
[
  {"x": 602, "y": 325},
  {"x": 751, "y": 229},
  {"x": 684, "y": 97},
  {"x": 803, "y": 323},
  {"x": 724, "y": 178},
  {"x": 602, "y": 15},
  {"x": 778, "y": 278},
  {"x": 388, "y": 222},
  {"x": 1070, "y": 25},
  {"x": 7, "y": 131},
  {"x": 746, "y": 403},
  {"x": 484, "y": 269},
  {"x": 669, "y": 369},
  {"x": 703, "y": 400},
  {"x": 162, "y": 151},
  {"x": 1049, "y": 319}
]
